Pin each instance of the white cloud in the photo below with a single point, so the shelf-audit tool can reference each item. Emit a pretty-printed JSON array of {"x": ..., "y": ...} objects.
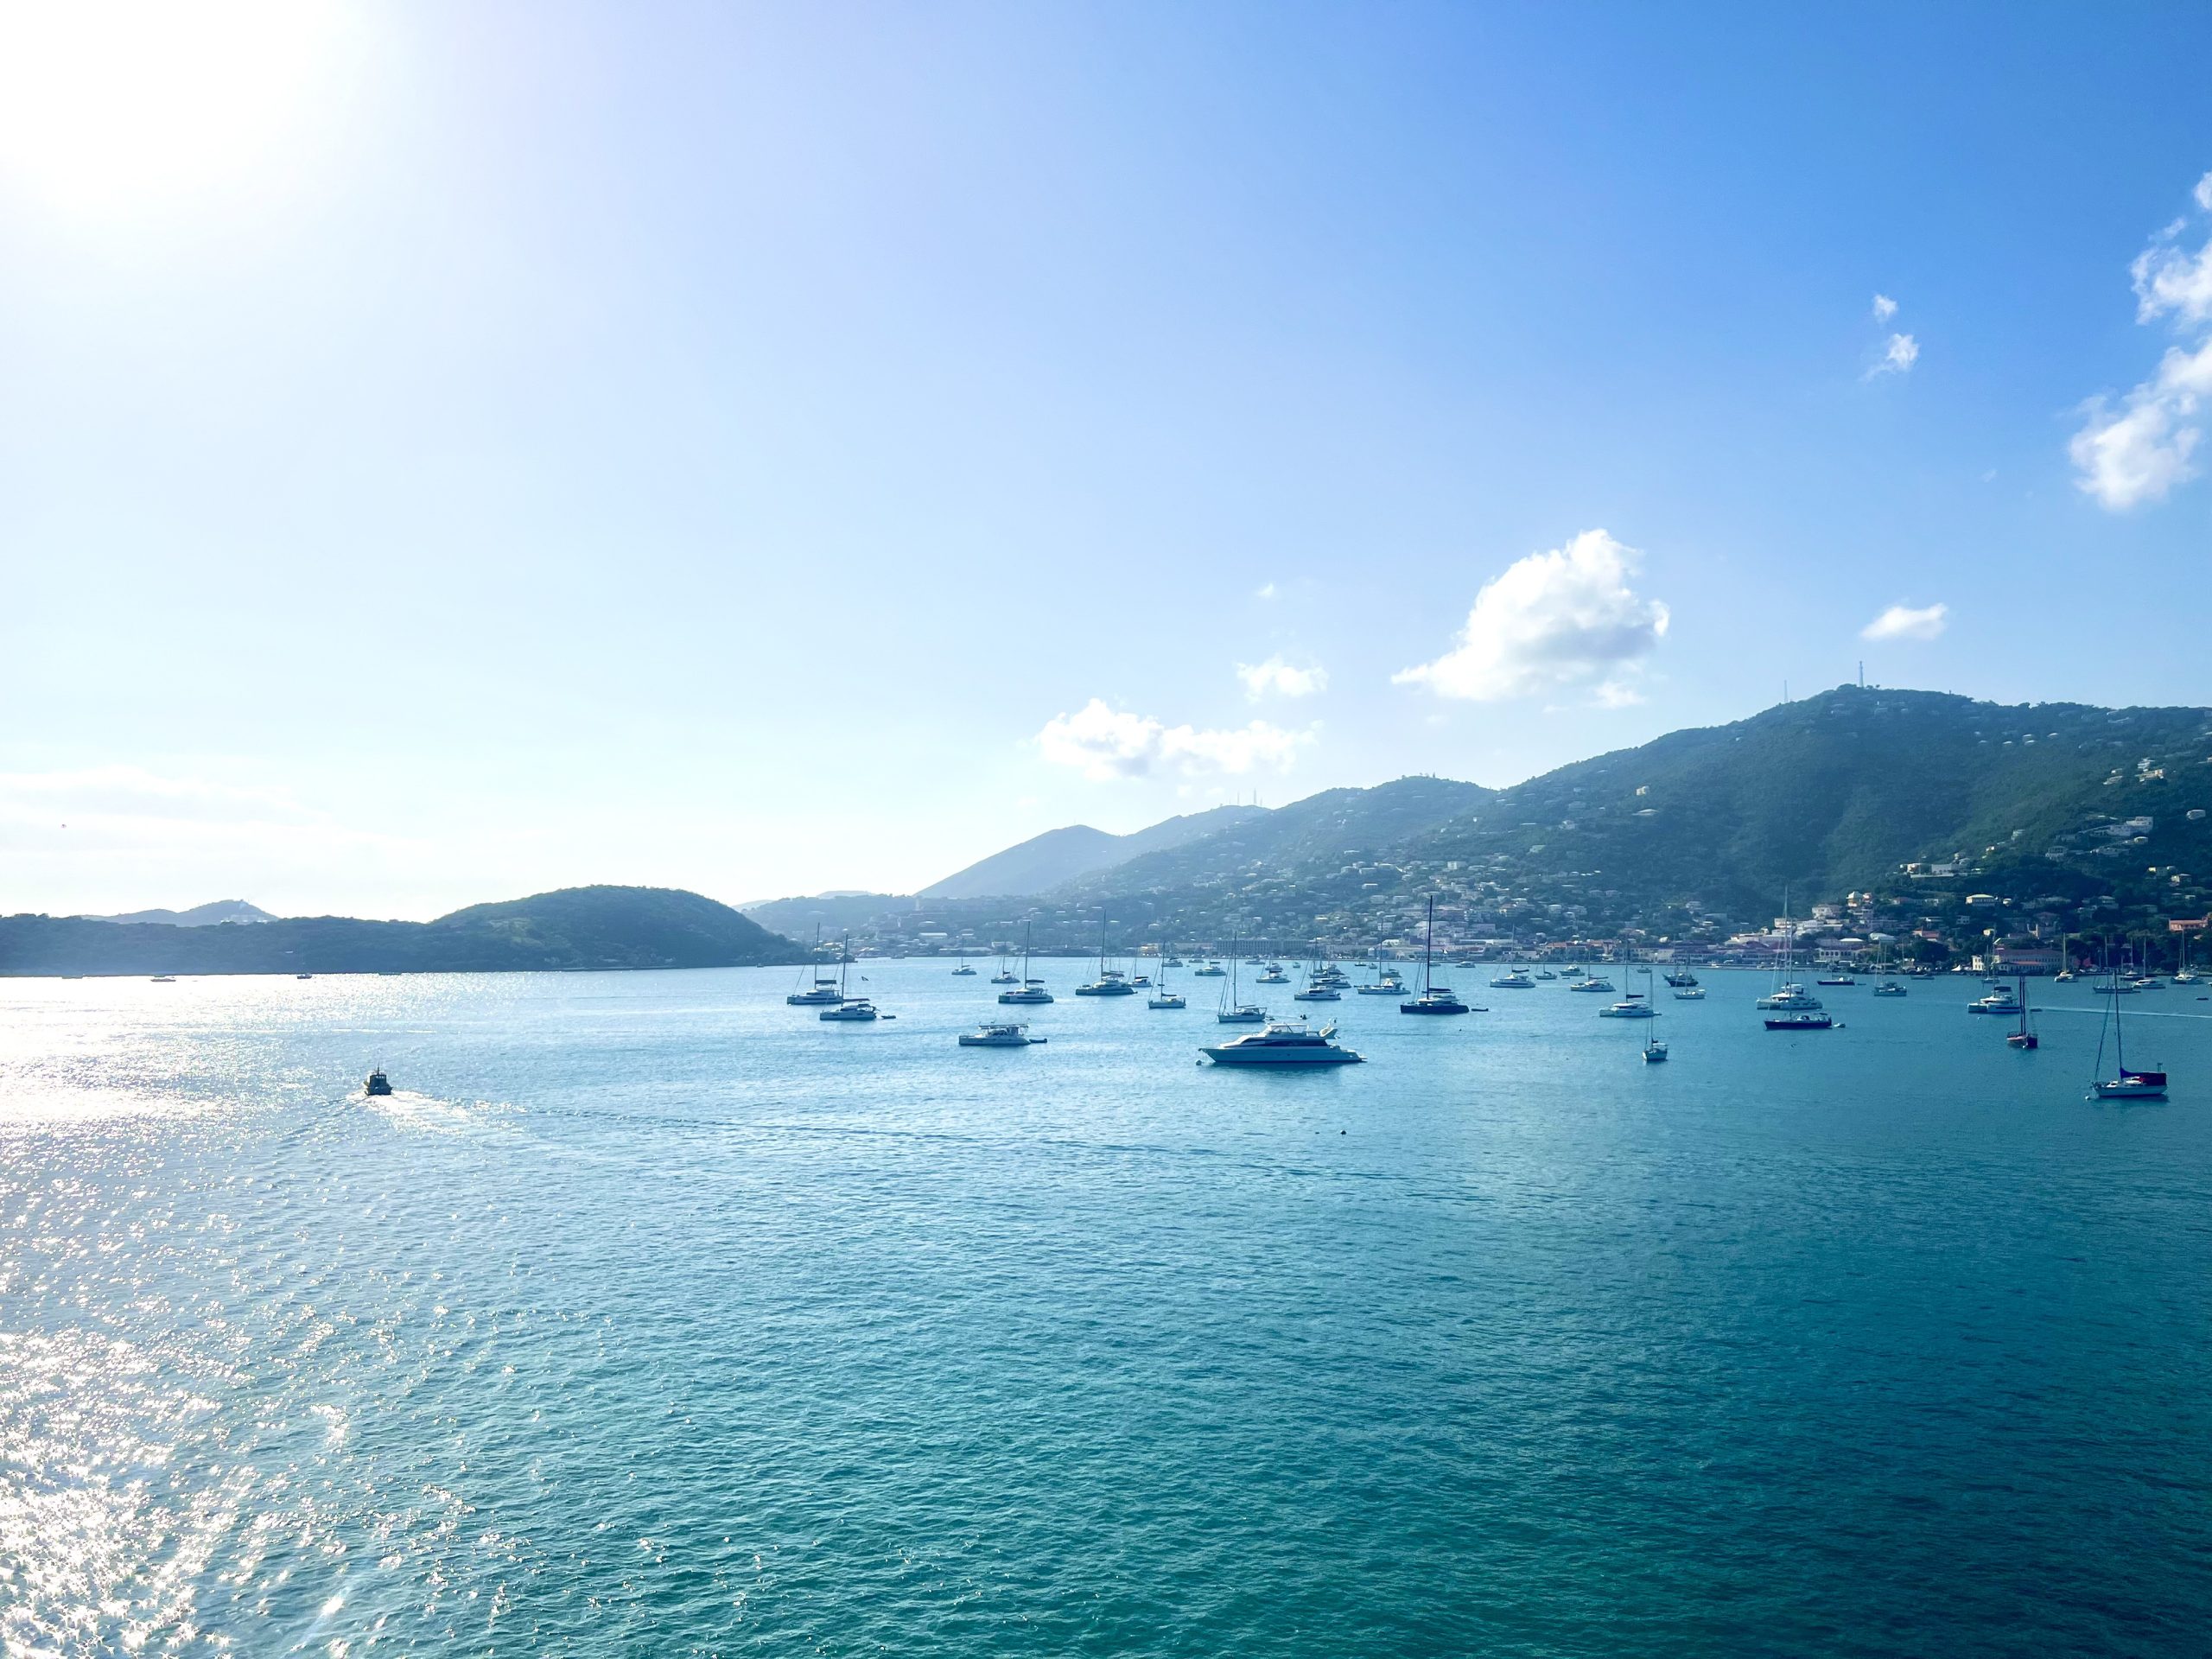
[
  {"x": 1559, "y": 618},
  {"x": 2137, "y": 449},
  {"x": 1898, "y": 356},
  {"x": 1884, "y": 307},
  {"x": 1265, "y": 590},
  {"x": 1903, "y": 622},
  {"x": 1103, "y": 743},
  {"x": 2139, "y": 452},
  {"x": 1283, "y": 679}
]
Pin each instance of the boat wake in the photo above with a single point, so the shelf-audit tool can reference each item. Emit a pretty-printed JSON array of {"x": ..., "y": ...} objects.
[{"x": 427, "y": 1115}]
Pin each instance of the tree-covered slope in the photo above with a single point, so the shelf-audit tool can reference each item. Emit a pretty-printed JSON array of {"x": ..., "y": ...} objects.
[{"x": 1834, "y": 793}]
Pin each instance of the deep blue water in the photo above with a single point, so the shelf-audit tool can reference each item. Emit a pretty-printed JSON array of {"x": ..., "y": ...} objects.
[{"x": 654, "y": 1316}]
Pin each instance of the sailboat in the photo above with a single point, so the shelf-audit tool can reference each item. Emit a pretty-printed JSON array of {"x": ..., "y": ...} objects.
[
  {"x": 1788, "y": 996},
  {"x": 1004, "y": 975},
  {"x": 851, "y": 1007},
  {"x": 1111, "y": 980},
  {"x": 1654, "y": 1050},
  {"x": 823, "y": 992},
  {"x": 1234, "y": 1013},
  {"x": 1032, "y": 991},
  {"x": 1161, "y": 997},
  {"x": 2125, "y": 1084},
  {"x": 963, "y": 969},
  {"x": 2026, "y": 1036},
  {"x": 1434, "y": 998},
  {"x": 2185, "y": 974},
  {"x": 1323, "y": 983}
]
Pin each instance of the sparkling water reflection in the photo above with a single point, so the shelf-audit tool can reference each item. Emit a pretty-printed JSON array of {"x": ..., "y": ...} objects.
[{"x": 654, "y": 1316}]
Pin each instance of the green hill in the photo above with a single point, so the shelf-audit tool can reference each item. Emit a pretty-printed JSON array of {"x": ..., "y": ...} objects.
[
  {"x": 1838, "y": 792},
  {"x": 576, "y": 927}
]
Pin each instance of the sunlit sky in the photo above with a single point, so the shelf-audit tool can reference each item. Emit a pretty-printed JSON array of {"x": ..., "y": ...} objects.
[{"x": 449, "y": 452}]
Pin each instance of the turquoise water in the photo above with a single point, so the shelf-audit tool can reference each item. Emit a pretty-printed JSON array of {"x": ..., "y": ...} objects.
[{"x": 653, "y": 1317}]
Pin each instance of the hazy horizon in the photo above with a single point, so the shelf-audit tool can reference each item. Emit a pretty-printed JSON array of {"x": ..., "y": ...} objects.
[{"x": 453, "y": 455}]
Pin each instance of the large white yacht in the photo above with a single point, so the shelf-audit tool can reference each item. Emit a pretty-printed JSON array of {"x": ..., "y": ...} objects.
[
  {"x": 1284, "y": 1043},
  {"x": 1998, "y": 1002},
  {"x": 1513, "y": 979},
  {"x": 1596, "y": 983}
]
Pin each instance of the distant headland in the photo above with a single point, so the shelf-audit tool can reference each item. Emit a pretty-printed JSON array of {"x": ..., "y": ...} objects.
[{"x": 601, "y": 927}]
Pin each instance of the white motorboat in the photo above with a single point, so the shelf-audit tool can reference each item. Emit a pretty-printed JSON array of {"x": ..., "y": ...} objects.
[
  {"x": 999, "y": 1036},
  {"x": 1889, "y": 987},
  {"x": 1694, "y": 993},
  {"x": 1632, "y": 1008},
  {"x": 1512, "y": 980},
  {"x": 1284, "y": 1043},
  {"x": 1595, "y": 983},
  {"x": 2002, "y": 1002}
]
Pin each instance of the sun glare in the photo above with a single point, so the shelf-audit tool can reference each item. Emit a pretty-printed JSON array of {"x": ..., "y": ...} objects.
[{"x": 106, "y": 105}]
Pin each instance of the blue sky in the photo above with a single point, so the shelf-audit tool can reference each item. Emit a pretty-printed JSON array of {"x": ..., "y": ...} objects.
[{"x": 446, "y": 453}]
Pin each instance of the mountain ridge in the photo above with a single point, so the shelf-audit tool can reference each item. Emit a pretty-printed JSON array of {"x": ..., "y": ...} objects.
[
  {"x": 1044, "y": 861},
  {"x": 212, "y": 914},
  {"x": 1952, "y": 817}
]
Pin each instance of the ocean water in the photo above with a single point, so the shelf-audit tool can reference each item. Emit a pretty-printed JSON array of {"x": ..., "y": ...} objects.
[{"x": 653, "y": 1317}]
